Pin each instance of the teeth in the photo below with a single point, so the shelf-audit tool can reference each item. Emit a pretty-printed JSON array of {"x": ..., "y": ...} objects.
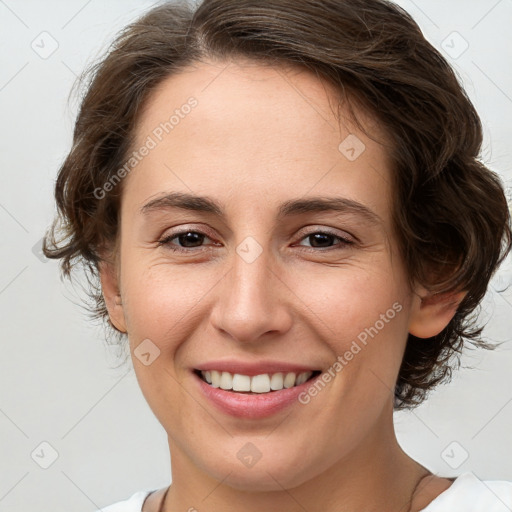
[
  {"x": 226, "y": 381},
  {"x": 263, "y": 383},
  {"x": 241, "y": 382},
  {"x": 289, "y": 380},
  {"x": 301, "y": 379},
  {"x": 276, "y": 382},
  {"x": 260, "y": 383},
  {"x": 215, "y": 376}
]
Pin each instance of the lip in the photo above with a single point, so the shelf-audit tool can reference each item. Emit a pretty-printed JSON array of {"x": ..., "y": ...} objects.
[
  {"x": 251, "y": 369},
  {"x": 255, "y": 406}
]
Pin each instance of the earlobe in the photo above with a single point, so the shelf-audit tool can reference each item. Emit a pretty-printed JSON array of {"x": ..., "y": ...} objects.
[
  {"x": 431, "y": 313},
  {"x": 112, "y": 295}
]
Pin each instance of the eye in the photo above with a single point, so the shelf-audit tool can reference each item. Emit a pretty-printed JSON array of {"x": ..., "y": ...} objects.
[
  {"x": 189, "y": 239},
  {"x": 323, "y": 239}
]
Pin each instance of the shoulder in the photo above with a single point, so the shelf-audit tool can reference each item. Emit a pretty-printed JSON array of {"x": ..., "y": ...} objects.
[
  {"x": 469, "y": 493},
  {"x": 132, "y": 504}
]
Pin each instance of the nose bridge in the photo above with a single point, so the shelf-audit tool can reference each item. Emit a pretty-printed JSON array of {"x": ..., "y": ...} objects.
[
  {"x": 250, "y": 303},
  {"x": 251, "y": 272}
]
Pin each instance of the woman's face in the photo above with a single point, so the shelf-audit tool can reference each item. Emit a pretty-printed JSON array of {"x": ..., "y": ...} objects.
[{"x": 296, "y": 266}]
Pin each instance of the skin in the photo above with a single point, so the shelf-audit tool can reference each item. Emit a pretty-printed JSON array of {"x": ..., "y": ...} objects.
[{"x": 260, "y": 136}]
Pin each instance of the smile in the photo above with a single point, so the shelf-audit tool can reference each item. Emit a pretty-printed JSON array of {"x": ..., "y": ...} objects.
[
  {"x": 263, "y": 383},
  {"x": 221, "y": 392}
]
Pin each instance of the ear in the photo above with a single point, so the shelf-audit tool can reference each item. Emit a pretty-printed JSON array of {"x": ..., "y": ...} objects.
[
  {"x": 112, "y": 295},
  {"x": 431, "y": 313}
]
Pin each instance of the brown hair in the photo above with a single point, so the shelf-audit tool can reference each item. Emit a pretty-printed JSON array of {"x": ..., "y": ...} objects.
[{"x": 450, "y": 211}]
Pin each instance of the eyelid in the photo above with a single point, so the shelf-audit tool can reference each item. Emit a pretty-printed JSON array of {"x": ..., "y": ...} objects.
[
  {"x": 184, "y": 228},
  {"x": 344, "y": 235}
]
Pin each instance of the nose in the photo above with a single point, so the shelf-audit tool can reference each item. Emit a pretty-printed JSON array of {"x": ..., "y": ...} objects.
[{"x": 253, "y": 300}]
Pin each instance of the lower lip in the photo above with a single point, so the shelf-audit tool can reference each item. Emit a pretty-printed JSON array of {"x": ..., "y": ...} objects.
[{"x": 254, "y": 406}]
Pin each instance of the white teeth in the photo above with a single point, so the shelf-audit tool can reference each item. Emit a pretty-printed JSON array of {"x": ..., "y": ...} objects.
[
  {"x": 289, "y": 380},
  {"x": 215, "y": 376},
  {"x": 241, "y": 382},
  {"x": 262, "y": 383},
  {"x": 276, "y": 382},
  {"x": 226, "y": 381},
  {"x": 303, "y": 377}
]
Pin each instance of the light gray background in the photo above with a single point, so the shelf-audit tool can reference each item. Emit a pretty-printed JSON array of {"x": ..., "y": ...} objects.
[{"x": 57, "y": 383}]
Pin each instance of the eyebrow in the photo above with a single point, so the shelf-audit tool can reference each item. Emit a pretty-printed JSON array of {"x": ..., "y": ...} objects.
[{"x": 289, "y": 208}]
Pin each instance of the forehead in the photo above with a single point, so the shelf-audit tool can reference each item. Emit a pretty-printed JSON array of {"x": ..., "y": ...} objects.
[
  {"x": 285, "y": 98},
  {"x": 217, "y": 127}
]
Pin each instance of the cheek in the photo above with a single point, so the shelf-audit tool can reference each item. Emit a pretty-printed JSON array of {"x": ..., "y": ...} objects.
[
  {"x": 162, "y": 300},
  {"x": 363, "y": 316},
  {"x": 348, "y": 300},
  {"x": 162, "y": 308}
]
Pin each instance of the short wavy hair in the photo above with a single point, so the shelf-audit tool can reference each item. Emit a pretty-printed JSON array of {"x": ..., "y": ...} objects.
[{"x": 450, "y": 212}]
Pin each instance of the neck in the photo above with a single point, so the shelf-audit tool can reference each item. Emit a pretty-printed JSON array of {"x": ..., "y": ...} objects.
[{"x": 376, "y": 475}]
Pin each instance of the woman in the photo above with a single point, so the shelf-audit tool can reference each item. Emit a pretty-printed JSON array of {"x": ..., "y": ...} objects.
[{"x": 282, "y": 207}]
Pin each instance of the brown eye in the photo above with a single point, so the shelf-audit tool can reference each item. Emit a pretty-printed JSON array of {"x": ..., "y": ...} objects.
[
  {"x": 187, "y": 239},
  {"x": 190, "y": 237},
  {"x": 321, "y": 239}
]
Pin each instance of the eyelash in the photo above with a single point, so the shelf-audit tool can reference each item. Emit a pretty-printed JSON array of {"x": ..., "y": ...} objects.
[{"x": 166, "y": 241}]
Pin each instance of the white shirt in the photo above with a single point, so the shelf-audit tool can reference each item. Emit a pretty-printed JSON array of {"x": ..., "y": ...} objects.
[{"x": 466, "y": 494}]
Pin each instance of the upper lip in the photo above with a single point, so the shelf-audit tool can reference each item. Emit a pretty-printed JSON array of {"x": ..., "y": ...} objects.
[{"x": 254, "y": 368}]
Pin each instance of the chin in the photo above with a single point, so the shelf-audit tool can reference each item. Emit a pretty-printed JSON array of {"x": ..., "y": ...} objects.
[
  {"x": 260, "y": 482},
  {"x": 263, "y": 476}
]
